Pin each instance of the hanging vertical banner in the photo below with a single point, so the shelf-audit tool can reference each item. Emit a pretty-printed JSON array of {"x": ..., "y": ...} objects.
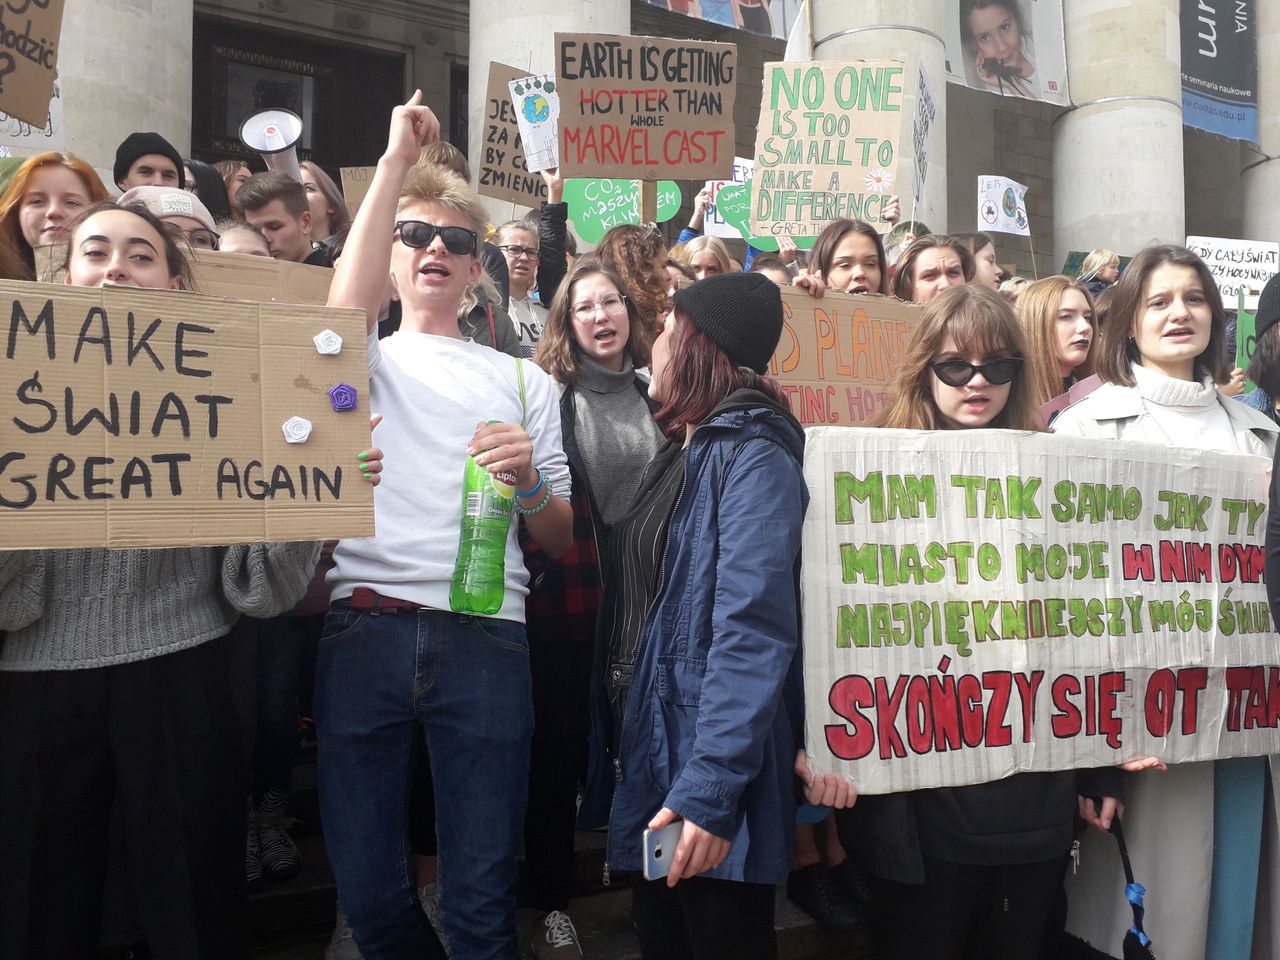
[
  {"x": 1220, "y": 68},
  {"x": 1011, "y": 47},
  {"x": 768, "y": 18},
  {"x": 537, "y": 106},
  {"x": 826, "y": 145},
  {"x": 645, "y": 107},
  {"x": 1002, "y": 206}
]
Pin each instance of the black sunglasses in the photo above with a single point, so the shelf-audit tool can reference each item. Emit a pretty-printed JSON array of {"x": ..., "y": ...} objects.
[
  {"x": 956, "y": 373},
  {"x": 419, "y": 233}
]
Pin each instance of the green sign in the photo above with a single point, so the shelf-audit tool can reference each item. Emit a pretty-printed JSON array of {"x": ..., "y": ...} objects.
[
  {"x": 597, "y": 205},
  {"x": 1246, "y": 338},
  {"x": 733, "y": 203}
]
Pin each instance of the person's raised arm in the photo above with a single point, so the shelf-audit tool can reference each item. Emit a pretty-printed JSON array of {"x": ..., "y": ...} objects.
[{"x": 360, "y": 277}]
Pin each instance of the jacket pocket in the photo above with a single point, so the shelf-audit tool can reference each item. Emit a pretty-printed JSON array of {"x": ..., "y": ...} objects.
[
  {"x": 676, "y": 700},
  {"x": 679, "y": 680}
]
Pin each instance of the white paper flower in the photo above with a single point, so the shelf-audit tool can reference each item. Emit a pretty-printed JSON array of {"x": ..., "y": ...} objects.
[
  {"x": 328, "y": 343},
  {"x": 296, "y": 430},
  {"x": 878, "y": 179}
]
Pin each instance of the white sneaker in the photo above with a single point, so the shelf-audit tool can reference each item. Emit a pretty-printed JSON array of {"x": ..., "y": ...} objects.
[
  {"x": 554, "y": 938},
  {"x": 342, "y": 945}
]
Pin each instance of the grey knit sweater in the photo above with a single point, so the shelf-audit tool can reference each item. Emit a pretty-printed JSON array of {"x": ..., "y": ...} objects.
[{"x": 78, "y": 609}]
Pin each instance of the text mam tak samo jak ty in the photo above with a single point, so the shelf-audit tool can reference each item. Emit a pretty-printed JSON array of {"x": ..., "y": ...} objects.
[
  {"x": 981, "y": 603},
  {"x": 836, "y": 356},
  {"x": 161, "y": 418}
]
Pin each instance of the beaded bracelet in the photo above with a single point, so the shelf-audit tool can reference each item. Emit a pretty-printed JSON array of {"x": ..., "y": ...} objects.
[{"x": 542, "y": 504}]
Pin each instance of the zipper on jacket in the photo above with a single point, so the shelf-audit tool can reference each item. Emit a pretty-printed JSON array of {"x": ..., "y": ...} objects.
[
  {"x": 657, "y": 595},
  {"x": 1075, "y": 856}
]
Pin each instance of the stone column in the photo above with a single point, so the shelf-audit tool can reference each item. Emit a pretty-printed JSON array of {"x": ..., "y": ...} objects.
[
  {"x": 911, "y": 31},
  {"x": 1117, "y": 155},
  {"x": 1261, "y": 174},
  {"x": 125, "y": 66},
  {"x": 520, "y": 35}
]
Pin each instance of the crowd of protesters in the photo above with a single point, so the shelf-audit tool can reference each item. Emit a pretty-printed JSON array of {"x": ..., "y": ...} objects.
[{"x": 643, "y": 667}]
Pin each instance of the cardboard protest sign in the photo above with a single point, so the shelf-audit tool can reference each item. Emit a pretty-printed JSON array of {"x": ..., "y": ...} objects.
[
  {"x": 355, "y": 184},
  {"x": 501, "y": 171},
  {"x": 827, "y": 145},
  {"x": 150, "y": 418},
  {"x": 26, "y": 138},
  {"x": 1002, "y": 206},
  {"x": 597, "y": 205},
  {"x": 29, "y": 35},
  {"x": 1246, "y": 337},
  {"x": 714, "y": 224},
  {"x": 1239, "y": 266},
  {"x": 236, "y": 276},
  {"x": 926, "y": 113},
  {"x": 981, "y": 603},
  {"x": 645, "y": 107},
  {"x": 537, "y": 106},
  {"x": 836, "y": 355}
]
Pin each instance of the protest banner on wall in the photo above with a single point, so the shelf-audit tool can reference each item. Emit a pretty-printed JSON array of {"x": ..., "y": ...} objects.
[
  {"x": 983, "y": 603},
  {"x": 715, "y": 224},
  {"x": 149, "y": 418},
  {"x": 537, "y": 104},
  {"x": 826, "y": 146},
  {"x": 772, "y": 19},
  {"x": 1220, "y": 68},
  {"x": 836, "y": 355},
  {"x": 29, "y": 36},
  {"x": 501, "y": 172},
  {"x": 1239, "y": 266},
  {"x": 1020, "y": 54},
  {"x": 1002, "y": 206},
  {"x": 645, "y": 107},
  {"x": 355, "y": 184},
  {"x": 597, "y": 205}
]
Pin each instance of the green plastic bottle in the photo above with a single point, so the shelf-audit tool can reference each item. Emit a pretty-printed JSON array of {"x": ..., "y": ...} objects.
[{"x": 479, "y": 575}]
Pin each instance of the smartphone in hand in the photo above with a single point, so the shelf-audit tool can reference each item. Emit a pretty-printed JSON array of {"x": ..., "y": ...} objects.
[{"x": 660, "y": 849}]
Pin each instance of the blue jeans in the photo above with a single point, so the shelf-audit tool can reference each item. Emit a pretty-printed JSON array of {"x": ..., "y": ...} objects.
[{"x": 463, "y": 684}]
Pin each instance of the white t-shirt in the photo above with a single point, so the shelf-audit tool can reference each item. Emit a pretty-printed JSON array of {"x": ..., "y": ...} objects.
[
  {"x": 530, "y": 317},
  {"x": 432, "y": 392}
]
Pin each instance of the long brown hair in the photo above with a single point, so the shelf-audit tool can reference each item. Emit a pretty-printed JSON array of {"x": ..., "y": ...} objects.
[
  {"x": 979, "y": 320},
  {"x": 699, "y": 375},
  {"x": 558, "y": 351},
  {"x": 904, "y": 280},
  {"x": 1037, "y": 308},
  {"x": 11, "y": 237},
  {"x": 1118, "y": 350},
  {"x": 824, "y": 250}
]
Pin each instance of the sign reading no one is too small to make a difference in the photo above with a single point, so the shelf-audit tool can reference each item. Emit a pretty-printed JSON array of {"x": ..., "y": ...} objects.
[
  {"x": 983, "y": 603},
  {"x": 645, "y": 108},
  {"x": 826, "y": 145},
  {"x": 148, "y": 418}
]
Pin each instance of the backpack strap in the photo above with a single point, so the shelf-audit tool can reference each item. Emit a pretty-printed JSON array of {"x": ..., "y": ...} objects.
[
  {"x": 493, "y": 333},
  {"x": 524, "y": 408}
]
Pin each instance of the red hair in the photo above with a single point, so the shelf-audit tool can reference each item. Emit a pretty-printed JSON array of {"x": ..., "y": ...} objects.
[
  {"x": 11, "y": 203},
  {"x": 698, "y": 376}
]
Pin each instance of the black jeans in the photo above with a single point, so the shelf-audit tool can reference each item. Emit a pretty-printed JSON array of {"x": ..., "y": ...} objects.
[
  {"x": 159, "y": 740},
  {"x": 966, "y": 912},
  {"x": 703, "y": 919}
]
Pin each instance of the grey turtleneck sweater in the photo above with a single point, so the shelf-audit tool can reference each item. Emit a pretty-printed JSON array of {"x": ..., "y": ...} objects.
[
  {"x": 78, "y": 609},
  {"x": 615, "y": 432}
]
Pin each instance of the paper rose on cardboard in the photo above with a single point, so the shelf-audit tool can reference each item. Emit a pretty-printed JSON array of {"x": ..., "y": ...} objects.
[
  {"x": 343, "y": 397},
  {"x": 296, "y": 430},
  {"x": 328, "y": 343}
]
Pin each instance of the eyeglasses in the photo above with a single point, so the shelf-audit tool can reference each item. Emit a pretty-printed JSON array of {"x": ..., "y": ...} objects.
[
  {"x": 613, "y": 305},
  {"x": 956, "y": 373},
  {"x": 200, "y": 238},
  {"x": 515, "y": 251},
  {"x": 419, "y": 233}
]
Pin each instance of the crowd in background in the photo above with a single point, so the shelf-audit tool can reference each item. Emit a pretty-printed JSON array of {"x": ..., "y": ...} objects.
[{"x": 643, "y": 668}]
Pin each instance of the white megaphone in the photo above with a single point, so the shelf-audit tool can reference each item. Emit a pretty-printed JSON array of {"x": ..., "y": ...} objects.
[{"x": 275, "y": 134}]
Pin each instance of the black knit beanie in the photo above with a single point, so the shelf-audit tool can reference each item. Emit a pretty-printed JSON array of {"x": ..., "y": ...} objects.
[
  {"x": 740, "y": 312},
  {"x": 1268, "y": 313},
  {"x": 137, "y": 145}
]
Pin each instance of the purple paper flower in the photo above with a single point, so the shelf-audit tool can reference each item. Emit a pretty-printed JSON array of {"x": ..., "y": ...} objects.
[{"x": 343, "y": 397}]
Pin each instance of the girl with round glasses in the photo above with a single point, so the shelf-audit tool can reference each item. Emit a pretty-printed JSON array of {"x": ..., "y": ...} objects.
[{"x": 982, "y": 862}]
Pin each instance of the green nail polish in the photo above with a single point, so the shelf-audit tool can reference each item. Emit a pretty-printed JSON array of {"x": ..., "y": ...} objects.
[{"x": 365, "y": 455}]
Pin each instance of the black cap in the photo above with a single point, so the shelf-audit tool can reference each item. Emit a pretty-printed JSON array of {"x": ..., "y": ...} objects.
[
  {"x": 740, "y": 312},
  {"x": 139, "y": 145},
  {"x": 1268, "y": 312}
]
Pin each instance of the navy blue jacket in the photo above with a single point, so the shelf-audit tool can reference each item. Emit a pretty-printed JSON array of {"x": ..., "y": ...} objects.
[{"x": 715, "y": 712}]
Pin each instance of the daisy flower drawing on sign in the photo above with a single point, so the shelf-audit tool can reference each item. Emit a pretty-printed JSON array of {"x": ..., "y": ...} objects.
[{"x": 878, "y": 179}]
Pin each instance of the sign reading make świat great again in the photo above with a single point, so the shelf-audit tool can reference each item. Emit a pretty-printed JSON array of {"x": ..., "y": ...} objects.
[
  {"x": 149, "y": 418},
  {"x": 982, "y": 603}
]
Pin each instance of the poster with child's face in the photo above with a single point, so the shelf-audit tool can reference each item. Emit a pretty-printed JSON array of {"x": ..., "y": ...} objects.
[{"x": 1010, "y": 47}]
